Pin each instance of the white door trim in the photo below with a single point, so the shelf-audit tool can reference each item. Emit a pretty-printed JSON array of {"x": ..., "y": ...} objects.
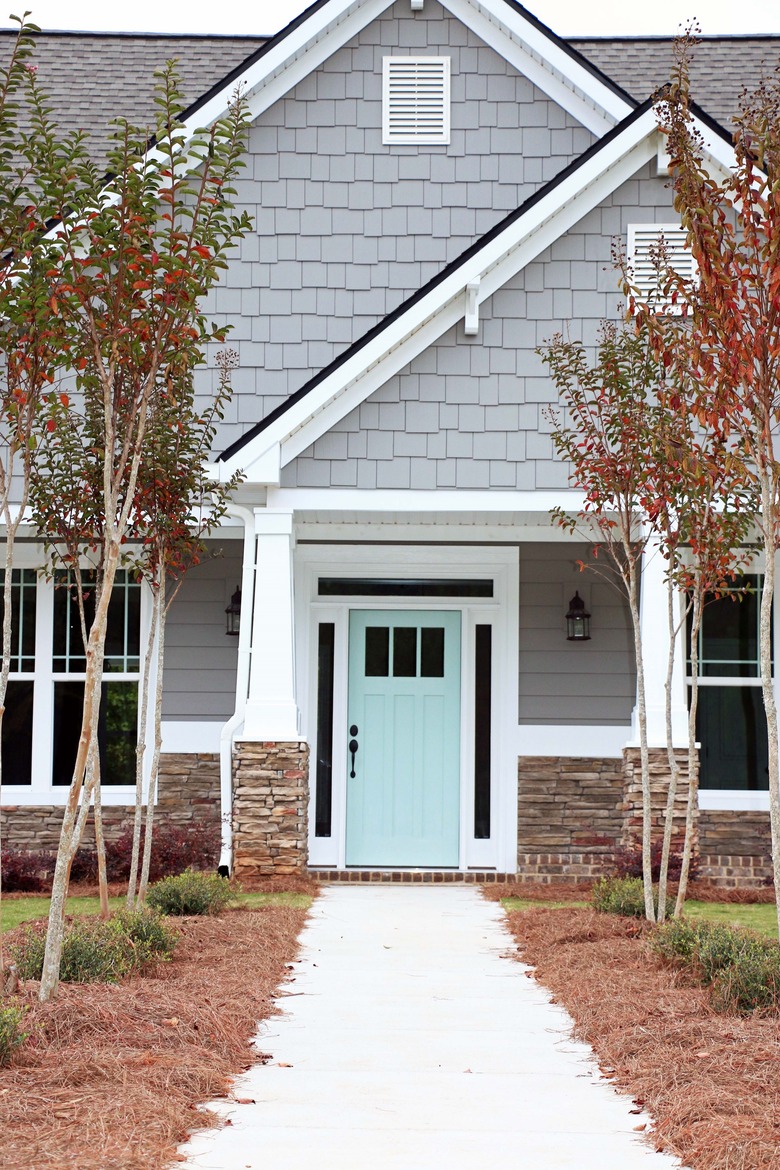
[{"x": 501, "y": 564}]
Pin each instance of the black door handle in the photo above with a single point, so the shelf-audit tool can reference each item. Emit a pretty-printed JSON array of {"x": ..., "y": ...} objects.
[{"x": 353, "y": 747}]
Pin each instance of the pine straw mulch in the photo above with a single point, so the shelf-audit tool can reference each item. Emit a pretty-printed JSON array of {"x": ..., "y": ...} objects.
[
  {"x": 711, "y": 1082},
  {"x": 700, "y": 891},
  {"x": 112, "y": 1075}
]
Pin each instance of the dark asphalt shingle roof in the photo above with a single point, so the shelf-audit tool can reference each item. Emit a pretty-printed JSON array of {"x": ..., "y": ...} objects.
[
  {"x": 95, "y": 77},
  {"x": 721, "y": 66}
]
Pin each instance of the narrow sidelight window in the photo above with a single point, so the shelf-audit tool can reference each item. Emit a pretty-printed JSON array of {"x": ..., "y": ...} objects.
[
  {"x": 323, "y": 809},
  {"x": 482, "y": 726}
]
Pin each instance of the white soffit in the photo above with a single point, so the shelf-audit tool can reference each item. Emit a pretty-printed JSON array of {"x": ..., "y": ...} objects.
[{"x": 528, "y": 48}]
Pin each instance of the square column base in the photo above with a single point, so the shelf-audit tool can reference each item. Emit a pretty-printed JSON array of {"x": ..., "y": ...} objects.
[{"x": 270, "y": 808}]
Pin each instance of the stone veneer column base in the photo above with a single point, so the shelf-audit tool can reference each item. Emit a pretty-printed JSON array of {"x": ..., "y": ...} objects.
[
  {"x": 659, "y": 783},
  {"x": 569, "y": 819},
  {"x": 270, "y": 808}
]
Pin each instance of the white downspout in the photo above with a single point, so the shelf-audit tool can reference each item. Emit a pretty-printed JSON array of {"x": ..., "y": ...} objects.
[{"x": 236, "y": 720}]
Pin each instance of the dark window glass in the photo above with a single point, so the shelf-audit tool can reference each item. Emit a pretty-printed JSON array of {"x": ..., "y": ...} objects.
[
  {"x": 377, "y": 651},
  {"x": 123, "y": 627},
  {"x": 729, "y": 638},
  {"x": 404, "y": 652},
  {"x": 731, "y": 727},
  {"x": 117, "y": 731},
  {"x": 432, "y": 652},
  {"x": 24, "y": 596},
  {"x": 324, "y": 795},
  {"x": 482, "y": 730},
  {"x": 17, "y": 733},
  {"x": 400, "y": 587}
]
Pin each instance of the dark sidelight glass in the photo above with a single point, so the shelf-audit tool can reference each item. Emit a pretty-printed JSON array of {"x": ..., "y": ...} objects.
[
  {"x": 483, "y": 663},
  {"x": 323, "y": 808},
  {"x": 404, "y": 652},
  {"x": 17, "y": 733},
  {"x": 117, "y": 731},
  {"x": 377, "y": 651},
  {"x": 432, "y": 652}
]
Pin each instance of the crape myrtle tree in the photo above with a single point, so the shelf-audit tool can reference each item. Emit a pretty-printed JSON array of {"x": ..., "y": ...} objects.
[
  {"x": 733, "y": 231},
  {"x": 602, "y": 434},
  {"x": 134, "y": 261},
  {"x": 178, "y": 504},
  {"x": 28, "y": 336},
  {"x": 700, "y": 503}
]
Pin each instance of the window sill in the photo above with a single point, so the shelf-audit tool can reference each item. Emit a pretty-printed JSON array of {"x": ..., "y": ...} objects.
[{"x": 733, "y": 800}]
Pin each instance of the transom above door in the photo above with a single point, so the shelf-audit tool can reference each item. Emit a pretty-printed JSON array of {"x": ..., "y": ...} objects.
[{"x": 403, "y": 767}]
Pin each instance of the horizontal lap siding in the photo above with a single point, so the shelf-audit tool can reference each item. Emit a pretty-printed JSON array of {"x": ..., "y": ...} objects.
[
  {"x": 571, "y": 682},
  {"x": 345, "y": 227},
  {"x": 469, "y": 412},
  {"x": 200, "y": 658}
]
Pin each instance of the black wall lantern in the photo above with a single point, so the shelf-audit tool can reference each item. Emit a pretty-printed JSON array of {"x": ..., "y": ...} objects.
[
  {"x": 577, "y": 621},
  {"x": 233, "y": 614}
]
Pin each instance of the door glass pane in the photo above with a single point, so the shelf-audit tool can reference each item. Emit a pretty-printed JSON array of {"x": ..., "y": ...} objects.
[
  {"x": 117, "y": 731},
  {"x": 377, "y": 651},
  {"x": 404, "y": 652},
  {"x": 432, "y": 652},
  {"x": 17, "y": 733}
]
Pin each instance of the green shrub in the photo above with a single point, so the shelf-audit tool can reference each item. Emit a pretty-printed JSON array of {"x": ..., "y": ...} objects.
[
  {"x": 677, "y": 940},
  {"x": 11, "y": 1034},
  {"x": 93, "y": 951},
  {"x": 192, "y": 893},
  {"x": 750, "y": 983},
  {"x": 721, "y": 946},
  {"x": 154, "y": 938},
  {"x": 623, "y": 896}
]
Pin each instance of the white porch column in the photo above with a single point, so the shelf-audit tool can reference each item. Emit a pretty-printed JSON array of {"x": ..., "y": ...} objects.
[
  {"x": 655, "y": 646},
  {"x": 272, "y": 709}
]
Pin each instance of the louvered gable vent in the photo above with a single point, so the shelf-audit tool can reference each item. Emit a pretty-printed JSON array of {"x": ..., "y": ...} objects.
[
  {"x": 642, "y": 239},
  {"x": 416, "y": 99}
]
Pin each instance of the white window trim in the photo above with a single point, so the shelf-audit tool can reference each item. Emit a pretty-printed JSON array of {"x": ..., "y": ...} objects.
[{"x": 418, "y": 138}]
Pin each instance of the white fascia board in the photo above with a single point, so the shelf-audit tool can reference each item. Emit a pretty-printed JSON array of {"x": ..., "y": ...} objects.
[
  {"x": 553, "y": 70},
  {"x": 423, "y": 323}
]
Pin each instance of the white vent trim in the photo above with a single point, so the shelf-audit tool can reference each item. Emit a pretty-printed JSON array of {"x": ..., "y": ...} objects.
[
  {"x": 415, "y": 100},
  {"x": 641, "y": 239}
]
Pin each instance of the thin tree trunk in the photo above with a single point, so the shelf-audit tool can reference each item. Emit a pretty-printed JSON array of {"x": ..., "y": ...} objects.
[
  {"x": 674, "y": 771},
  {"x": 644, "y": 757},
  {"x": 89, "y": 722},
  {"x": 93, "y": 768},
  {"x": 693, "y": 761},
  {"x": 4, "y": 672},
  {"x": 139, "y": 763},
  {"x": 767, "y": 683},
  {"x": 159, "y": 618}
]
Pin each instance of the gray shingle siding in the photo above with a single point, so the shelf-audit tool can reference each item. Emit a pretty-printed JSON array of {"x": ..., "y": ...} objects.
[
  {"x": 563, "y": 682},
  {"x": 475, "y": 405},
  {"x": 346, "y": 227}
]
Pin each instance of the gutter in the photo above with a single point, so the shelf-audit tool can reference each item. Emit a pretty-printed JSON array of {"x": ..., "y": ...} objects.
[{"x": 236, "y": 720}]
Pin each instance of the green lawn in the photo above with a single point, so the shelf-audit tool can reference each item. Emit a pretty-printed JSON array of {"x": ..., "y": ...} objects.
[
  {"x": 16, "y": 910},
  {"x": 757, "y": 917}
]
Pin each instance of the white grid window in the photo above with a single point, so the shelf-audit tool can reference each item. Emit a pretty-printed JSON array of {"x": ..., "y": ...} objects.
[
  {"x": 416, "y": 100},
  {"x": 648, "y": 279}
]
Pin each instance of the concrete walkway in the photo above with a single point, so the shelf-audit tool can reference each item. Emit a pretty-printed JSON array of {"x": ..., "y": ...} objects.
[{"x": 410, "y": 1041}]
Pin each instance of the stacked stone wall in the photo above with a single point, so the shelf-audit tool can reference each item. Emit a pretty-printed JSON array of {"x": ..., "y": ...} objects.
[
  {"x": 270, "y": 809},
  {"x": 188, "y": 793},
  {"x": 659, "y": 786},
  {"x": 569, "y": 816},
  {"x": 735, "y": 847}
]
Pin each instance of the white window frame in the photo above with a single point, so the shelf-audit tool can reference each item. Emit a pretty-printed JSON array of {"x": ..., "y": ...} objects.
[{"x": 390, "y": 137}]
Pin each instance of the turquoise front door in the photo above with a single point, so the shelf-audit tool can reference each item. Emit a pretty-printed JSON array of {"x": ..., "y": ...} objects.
[{"x": 403, "y": 763}]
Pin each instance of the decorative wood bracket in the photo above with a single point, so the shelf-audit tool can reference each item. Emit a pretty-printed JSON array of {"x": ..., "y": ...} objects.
[{"x": 471, "y": 319}]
